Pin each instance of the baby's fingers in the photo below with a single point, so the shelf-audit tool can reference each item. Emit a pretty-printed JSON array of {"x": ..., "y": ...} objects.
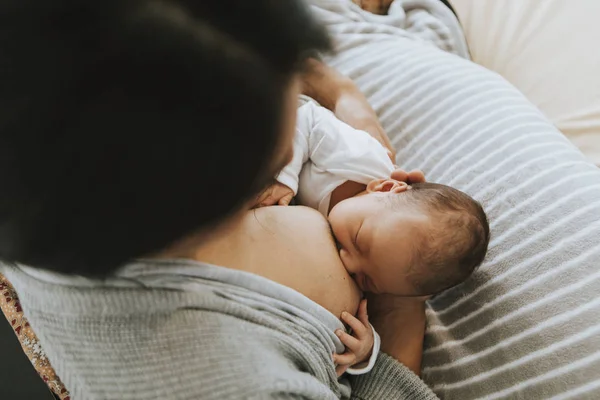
[
  {"x": 362, "y": 313},
  {"x": 349, "y": 341},
  {"x": 348, "y": 358},
  {"x": 358, "y": 327},
  {"x": 340, "y": 369},
  {"x": 268, "y": 201},
  {"x": 265, "y": 198},
  {"x": 285, "y": 200}
]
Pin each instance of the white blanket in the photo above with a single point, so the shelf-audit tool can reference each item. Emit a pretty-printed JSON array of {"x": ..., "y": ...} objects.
[{"x": 527, "y": 325}]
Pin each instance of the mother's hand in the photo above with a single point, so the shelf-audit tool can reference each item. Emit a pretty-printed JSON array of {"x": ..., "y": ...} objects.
[
  {"x": 414, "y": 176},
  {"x": 400, "y": 322}
]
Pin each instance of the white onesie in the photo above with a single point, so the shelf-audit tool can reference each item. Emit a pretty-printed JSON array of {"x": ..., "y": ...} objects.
[{"x": 327, "y": 153}]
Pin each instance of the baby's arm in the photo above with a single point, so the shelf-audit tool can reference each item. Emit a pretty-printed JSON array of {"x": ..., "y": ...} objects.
[
  {"x": 332, "y": 147},
  {"x": 316, "y": 129},
  {"x": 362, "y": 347},
  {"x": 286, "y": 185},
  {"x": 336, "y": 147},
  {"x": 289, "y": 175},
  {"x": 367, "y": 365}
]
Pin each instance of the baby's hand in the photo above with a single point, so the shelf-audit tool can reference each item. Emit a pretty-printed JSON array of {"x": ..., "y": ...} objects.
[
  {"x": 277, "y": 193},
  {"x": 358, "y": 347}
]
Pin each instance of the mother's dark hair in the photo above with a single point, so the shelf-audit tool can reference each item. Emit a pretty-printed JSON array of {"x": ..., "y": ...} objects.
[{"x": 127, "y": 124}]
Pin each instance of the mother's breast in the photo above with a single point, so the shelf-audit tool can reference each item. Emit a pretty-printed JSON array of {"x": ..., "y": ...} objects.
[{"x": 294, "y": 247}]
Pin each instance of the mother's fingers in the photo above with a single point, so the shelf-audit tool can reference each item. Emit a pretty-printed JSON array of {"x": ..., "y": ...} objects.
[
  {"x": 414, "y": 176},
  {"x": 399, "y": 175}
]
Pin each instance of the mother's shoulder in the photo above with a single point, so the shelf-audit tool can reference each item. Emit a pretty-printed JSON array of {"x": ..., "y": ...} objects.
[{"x": 297, "y": 212}]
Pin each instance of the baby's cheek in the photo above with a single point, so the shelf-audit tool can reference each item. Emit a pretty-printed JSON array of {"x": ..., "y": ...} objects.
[
  {"x": 395, "y": 281},
  {"x": 348, "y": 261}
]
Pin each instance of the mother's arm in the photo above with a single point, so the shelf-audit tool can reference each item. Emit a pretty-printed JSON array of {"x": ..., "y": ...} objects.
[
  {"x": 400, "y": 323},
  {"x": 339, "y": 94}
]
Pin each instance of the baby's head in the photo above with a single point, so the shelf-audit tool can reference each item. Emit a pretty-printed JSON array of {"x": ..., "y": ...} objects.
[{"x": 415, "y": 240}]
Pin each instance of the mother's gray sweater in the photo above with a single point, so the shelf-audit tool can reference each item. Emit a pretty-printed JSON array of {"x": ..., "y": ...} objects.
[{"x": 184, "y": 330}]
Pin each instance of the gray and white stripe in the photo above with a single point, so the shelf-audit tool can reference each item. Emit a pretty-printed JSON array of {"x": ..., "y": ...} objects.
[{"x": 527, "y": 324}]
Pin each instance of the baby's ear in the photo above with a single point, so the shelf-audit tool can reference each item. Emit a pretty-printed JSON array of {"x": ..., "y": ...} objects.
[{"x": 387, "y": 185}]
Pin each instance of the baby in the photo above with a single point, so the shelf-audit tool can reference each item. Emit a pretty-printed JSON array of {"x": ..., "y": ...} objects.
[{"x": 393, "y": 238}]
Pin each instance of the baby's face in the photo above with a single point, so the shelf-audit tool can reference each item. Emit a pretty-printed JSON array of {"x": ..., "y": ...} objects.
[{"x": 377, "y": 243}]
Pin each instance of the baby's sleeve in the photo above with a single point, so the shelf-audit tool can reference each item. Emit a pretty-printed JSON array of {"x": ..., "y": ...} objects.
[
  {"x": 374, "y": 354},
  {"x": 290, "y": 174},
  {"x": 337, "y": 148}
]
